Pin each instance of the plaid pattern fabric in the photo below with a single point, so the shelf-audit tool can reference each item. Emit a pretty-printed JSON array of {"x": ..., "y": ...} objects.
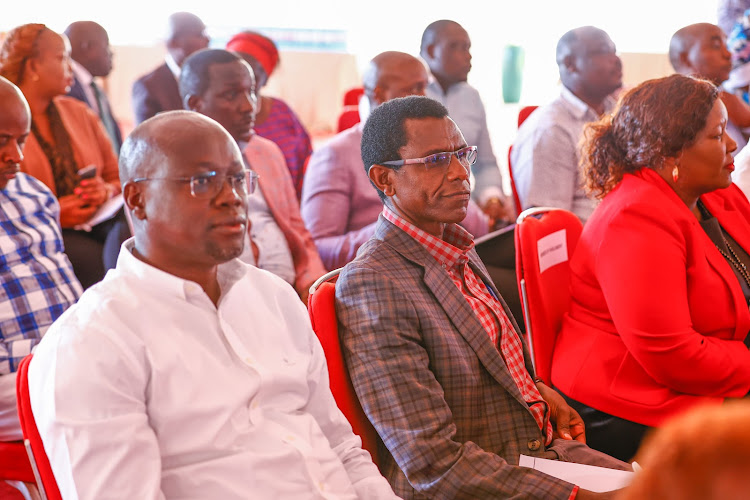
[
  {"x": 452, "y": 253},
  {"x": 37, "y": 283}
]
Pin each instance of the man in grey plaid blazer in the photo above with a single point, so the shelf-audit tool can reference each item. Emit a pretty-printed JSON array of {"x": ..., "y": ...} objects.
[{"x": 451, "y": 413}]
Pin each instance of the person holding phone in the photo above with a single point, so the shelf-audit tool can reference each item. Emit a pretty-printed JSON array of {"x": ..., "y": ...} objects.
[{"x": 68, "y": 148}]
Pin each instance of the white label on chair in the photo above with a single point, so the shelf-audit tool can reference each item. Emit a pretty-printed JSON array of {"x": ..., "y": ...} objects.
[{"x": 552, "y": 249}]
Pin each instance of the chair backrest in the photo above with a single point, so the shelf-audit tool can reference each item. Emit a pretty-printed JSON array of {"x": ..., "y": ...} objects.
[
  {"x": 348, "y": 118},
  {"x": 14, "y": 463},
  {"x": 45, "y": 480},
  {"x": 351, "y": 96},
  {"x": 522, "y": 115},
  {"x": 322, "y": 310},
  {"x": 514, "y": 191},
  {"x": 545, "y": 241}
]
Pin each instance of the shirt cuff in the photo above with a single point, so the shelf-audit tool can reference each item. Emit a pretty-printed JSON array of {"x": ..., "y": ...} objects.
[{"x": 574, "y": 493}]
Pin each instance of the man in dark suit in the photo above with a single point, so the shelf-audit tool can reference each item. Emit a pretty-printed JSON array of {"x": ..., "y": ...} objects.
[
  {"x": 433, "y": 351},
  {"x": 92, "y": 57},
  {"x": 158, "y": 91}
]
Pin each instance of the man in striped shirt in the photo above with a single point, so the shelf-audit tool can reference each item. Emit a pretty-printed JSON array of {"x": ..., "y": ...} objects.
[{"x": 37, "y": 283}]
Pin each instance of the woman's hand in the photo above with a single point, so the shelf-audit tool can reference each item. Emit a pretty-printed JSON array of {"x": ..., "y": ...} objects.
[
  {"x": 93, "y": 191},
  {"x": 74, "y": 210}
]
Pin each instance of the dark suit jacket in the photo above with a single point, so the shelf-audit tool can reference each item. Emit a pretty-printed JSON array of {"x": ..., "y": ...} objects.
[
  {"x": 155, "y": 92},
  {"x": 452, "y": 420},
  {"x": 657, "y": 318},
  {"x": 77, "y": 92}
]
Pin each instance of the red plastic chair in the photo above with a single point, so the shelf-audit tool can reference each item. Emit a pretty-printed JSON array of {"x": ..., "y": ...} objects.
[
  {"x": 352, "y": 96},
  {"x": 545, "y": 241},
  {"x": 320, "y": 305},
  {"x": 348, "y": 118},
  {"x": 45, "y": 479},
  {"x": 522, "y": 115}
]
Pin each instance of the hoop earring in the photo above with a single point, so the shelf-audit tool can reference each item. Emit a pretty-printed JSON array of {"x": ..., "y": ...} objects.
[{"x": 675, "y": 173}]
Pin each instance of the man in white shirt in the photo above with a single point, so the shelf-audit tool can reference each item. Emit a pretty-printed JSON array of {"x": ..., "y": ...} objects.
[
  {"x": 445, "y": 47},
  {"x": 186, "y": 373},
  {"x": 546, "y": 152}
]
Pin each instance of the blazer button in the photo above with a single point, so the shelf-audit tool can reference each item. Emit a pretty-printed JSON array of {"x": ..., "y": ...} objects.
[{"x": 535, "y": 444}]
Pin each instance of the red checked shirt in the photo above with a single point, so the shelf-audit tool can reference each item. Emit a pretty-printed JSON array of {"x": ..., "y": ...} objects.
[{"x": 452, "y": 253}]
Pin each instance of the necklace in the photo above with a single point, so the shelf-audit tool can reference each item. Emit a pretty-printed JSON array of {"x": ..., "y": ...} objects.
[{"x": 732, "y": 256}]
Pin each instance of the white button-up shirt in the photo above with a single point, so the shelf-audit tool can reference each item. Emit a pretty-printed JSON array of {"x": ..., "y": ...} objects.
[{"x": 144, "y": 389}]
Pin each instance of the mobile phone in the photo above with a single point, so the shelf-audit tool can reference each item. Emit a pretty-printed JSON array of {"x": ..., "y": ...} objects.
[{"x": 87, "y": 172}]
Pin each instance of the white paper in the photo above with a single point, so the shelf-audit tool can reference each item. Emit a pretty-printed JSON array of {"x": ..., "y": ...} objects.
[
  {"x": 552, "y": 250},
  {"x": 588, "y": 477},
  {"x": 108, "y": 210}
]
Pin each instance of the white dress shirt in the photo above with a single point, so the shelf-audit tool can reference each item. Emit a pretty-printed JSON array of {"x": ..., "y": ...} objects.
[{"x": 144, "y": 389}]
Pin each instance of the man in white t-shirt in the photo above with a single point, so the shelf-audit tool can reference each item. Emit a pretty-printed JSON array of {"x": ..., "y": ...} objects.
[{"x": 186, "y": 373}]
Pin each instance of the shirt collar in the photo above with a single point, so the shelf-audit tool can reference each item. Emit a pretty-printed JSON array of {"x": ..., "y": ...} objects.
[
  {"x": 173, "y": 66},
  {"x": 229, "y": 273},
  {"x": 82, "y": 74},
  {"x": 453, "y": 249},
  {"x": 434, "y": 86},
  {"x": 582, "y": 110}
]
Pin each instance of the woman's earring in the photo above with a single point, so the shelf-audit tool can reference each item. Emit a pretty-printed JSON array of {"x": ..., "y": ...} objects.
[
  {"x": 675, "y": 173},
  {"x": 35, "y": 78}
]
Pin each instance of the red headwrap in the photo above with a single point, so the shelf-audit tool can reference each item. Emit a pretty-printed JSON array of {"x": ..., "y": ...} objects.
[{"x": 260, "y": 47}]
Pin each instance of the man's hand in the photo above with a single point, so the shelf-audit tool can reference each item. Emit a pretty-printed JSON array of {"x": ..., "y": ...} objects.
[
  {"x": 568, "y": 423},
  {"x": 499, "y": 211}
]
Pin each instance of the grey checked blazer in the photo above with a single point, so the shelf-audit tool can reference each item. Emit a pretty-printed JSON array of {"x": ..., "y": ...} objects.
[{"x": 452, "y": 421}]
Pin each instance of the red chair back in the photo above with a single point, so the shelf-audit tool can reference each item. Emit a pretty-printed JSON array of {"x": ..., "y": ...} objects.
[
  {"x": 351, "y": 96},
  {"x": 14, "y": 463},
  {"x": 44, "y": 478},
  {"x": 320, "y": 305},
  {"x": 522, "y": 115},
  {"x": 545, "y": 241},
  {"x": 348, "y": 118}
]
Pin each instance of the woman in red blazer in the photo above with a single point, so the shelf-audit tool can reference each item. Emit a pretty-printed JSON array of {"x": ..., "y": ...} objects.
[{"x": 659, "y": 280}]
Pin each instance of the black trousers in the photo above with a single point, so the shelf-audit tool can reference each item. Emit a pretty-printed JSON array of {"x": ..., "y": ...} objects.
[
  {"x": 612, "y": 435},
  {"x": 94, "y": 253}
]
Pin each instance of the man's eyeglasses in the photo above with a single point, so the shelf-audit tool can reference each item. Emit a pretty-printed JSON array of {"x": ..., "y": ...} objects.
[
  {"x": 209, "y": 184},
  {"x": 466, "y": 156}
]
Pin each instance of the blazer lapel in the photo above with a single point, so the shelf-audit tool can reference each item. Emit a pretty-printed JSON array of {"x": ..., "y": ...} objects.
[
  {"x": 736, "y": 225},
  {"x": 453, "y": 303}
]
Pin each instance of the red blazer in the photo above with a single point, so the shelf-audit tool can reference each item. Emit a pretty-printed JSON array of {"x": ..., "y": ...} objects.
[{"x": 657, "y": 317}]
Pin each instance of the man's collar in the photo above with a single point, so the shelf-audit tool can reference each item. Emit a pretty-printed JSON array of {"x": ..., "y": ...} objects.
[
  {"x": 580, "y": 108},
  {"x": 173, "y": 66},
  {"x": 82, "y": 74},
  {"x": 229, "y": 273}
]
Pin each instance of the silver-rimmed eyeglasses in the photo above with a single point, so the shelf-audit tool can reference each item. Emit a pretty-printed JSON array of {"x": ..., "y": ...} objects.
[
  {"x": 466, "y": 156},
  {"x": 209, "y": 184}
]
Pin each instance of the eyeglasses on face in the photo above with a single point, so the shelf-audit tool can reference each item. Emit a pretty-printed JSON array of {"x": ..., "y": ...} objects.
[
  {"x": 209, "y": 184},
  {"x": 466, "y": 156}
]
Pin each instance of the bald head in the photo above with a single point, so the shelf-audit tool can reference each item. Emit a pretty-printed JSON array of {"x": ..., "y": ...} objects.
[
  {"x": 89, "y": 47},
  {"x": 15, "y": 122},
  {"x": 588, "y": 64},
  {"x": 433, "y": 31},
  {"x": 393, "y": 74},
  {"x": 148, "y": 149},
  {"x": 187, "y": 34},
  {"x": 700, "y": 50}
]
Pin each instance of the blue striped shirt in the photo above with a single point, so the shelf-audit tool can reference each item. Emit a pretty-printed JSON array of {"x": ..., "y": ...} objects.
[{"x": 37, "y": 283}]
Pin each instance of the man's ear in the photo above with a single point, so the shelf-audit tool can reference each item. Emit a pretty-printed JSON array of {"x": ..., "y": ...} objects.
[
  {"x": 685, "y": 63},
  {"x": 132, "y": 193},
  {"x": 569, "y": 63},
  {"x": 382, "y": 177},
  {"x": 378, "y": 95},
  {"x": 192, "y": 102}
]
